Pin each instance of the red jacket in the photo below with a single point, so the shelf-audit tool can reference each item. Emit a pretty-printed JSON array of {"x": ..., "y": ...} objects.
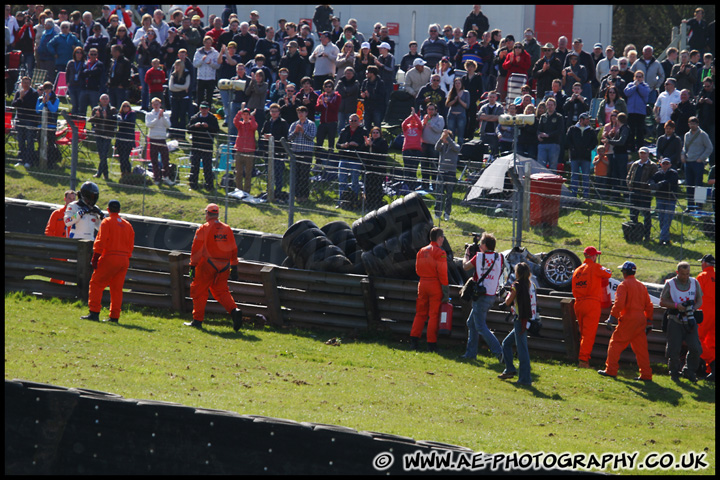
[
  {"x": 245, "y": 141},
  {"x": 431, "y": 263},
  {"x": 412, "y": 132},
  {"x": 155, "y": 79},
  {"x": 328, "y": 109},
  {"x": 521, "y": 66}
]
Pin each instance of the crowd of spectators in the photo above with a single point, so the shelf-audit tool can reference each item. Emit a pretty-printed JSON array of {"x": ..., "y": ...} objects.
[{"x": 462, "y": 78}]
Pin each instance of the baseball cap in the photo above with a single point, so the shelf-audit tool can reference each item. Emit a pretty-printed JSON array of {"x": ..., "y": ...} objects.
[
  {"x": 610, "y": 47},
  {"x": 708, "y": 259},
  {"x": 196, "y": 17},
  {"x": 204, "y": 105},
  {"x": 325, "y": 34},
  {"x": 597, "y": 45},
  {"x": 572, "y": 54},
  {"x": 212, "y": 208},
  {"x": 384, "y": 45},
  {"x": 644, "y": 149},
  {"x": 628, "y": 267},
  {"x": 590, "y": 251},
  {"x": 419, "y": 61},
  {"x": 666, "y": 160},
  {"x": 584, "y": 115},
  {"x": 113, "y": 206},
  {"x": 293, "y": 43},
  {"x": 365, "y": 45}
]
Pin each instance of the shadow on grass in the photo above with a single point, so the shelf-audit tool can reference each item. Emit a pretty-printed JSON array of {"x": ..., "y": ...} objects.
[
  {"x": 239, "y": 335},
  {"x": 132, "y": 327},
  {"x": 652, "y": 392}
]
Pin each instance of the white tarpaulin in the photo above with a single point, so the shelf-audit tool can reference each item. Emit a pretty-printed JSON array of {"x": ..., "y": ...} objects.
[{"x": 492, "y": 179}]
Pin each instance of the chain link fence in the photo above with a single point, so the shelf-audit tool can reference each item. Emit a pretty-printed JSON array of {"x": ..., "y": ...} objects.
[{"x": 341, "y": 184}]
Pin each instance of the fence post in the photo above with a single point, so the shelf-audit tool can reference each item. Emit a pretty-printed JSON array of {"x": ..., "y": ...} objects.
[
  {"x": 177, "y": 281},
  {"x": 602, "y": 207},
  {"x": 43, "y": 139},
  {"x": 526, "y": 197},
  {"x": 291, "y": 199},
  {"x": 75, "y": 145},
  {"x": 571, "y": 334},
  {"x": 269, "y": 280},
  {"x": 271, "y": 170},
  {"x": 370, "y": 300},
  {"x": 84, "y": 271}
]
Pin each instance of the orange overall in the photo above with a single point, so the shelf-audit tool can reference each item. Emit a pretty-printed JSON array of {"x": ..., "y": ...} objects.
[
  {"x": 634, "y": 311},
  {"x": 706, "y": 330},
  {"x": 587, "y": 290},
  {"x": 114, "y": 244},
  {"x": 56, "y": 228},
  {"x": 213, "y": 252},
  {"x": 431, "y": 267}
]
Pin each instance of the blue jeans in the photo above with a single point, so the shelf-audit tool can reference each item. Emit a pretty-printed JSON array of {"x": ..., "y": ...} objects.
[
  {"x": 26, "y": 144},
  {"x": 232, "y": 130},
  {"x": 457, "y": 123},
  {"x": 373, "y": 117},
  {"x": 225, "y": 97},
  {"x": 74, "y": 94},
  {"x": 342, "y": 121},
  {"x": 529, "y": 150},
  {"x": 348, "y": 168},
  {"x": 666, "y": 211},
  {"x": 103, "y": 148},
  {"x": 477, "y": 325},
  {"x": 117, "y": 96},
  {"x": 693, "y": 178},
  {"x": 411, "y": 160},
  {"x": 515, "y": 337},
  {"x": 581, "y": 172},
  {"x": 617, "y": 172},
  {"x": 145, "y": 96},
  {"x": 548, "y": 155},
  {"x": 179, "y": 105},
  {"x": 88, "y": 98}
]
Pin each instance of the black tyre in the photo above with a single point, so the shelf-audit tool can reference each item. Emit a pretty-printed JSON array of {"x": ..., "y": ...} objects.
[
  {"x": 288, "y": 262},
  {"x": 300, "y": 240},
  {"x": 306, "y": 253},
  {"x": 349, "y": 246},
  {"x": 341, "y": 236},
  {"x": 415, "y": 207},
  {"x": 333, "y": 263},
  {"x": 294, "y": 230},
  {"x": 331, "y": 228},
  {"x": 373, "y": 264},
  {"x": 558, "y": 267},
  {"x": 367, "y": 231}
]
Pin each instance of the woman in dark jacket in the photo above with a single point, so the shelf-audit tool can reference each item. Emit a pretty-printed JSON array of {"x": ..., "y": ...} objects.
[
  {"x": 527, "y": 138},
  {"x": 148, "y": 48},
  {"x": 375, "y": 165},
  {"x": 74, "y": 78},
  {"x": 125, "y": 138},
  {"x": 349, "y": 88},
  {"x": 121, "y": 38}
]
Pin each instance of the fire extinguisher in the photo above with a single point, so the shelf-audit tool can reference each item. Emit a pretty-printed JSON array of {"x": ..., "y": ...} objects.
[{"x": 445, "y": 324}]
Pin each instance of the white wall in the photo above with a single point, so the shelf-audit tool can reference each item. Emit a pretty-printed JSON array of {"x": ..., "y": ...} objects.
[{"x": 589, "y": 20}]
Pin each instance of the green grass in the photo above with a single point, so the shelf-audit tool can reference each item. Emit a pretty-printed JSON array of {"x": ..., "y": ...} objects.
[{"x": 369, "y": 382}]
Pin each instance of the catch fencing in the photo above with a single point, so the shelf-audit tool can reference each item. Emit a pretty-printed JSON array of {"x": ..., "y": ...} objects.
[{"x": 341, "y": 184}]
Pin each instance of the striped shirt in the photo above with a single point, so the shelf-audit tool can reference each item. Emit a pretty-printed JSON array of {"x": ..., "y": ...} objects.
[{"x": 303, "y": 142}]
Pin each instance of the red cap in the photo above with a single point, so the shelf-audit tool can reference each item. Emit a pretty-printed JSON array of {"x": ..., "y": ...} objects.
[
  {"x": 590, "y": 251},
  {"x": 212, "y": 208}
]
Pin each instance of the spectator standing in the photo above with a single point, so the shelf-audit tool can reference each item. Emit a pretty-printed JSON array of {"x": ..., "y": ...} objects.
[
  {"x": 363, "y": 60},
  {"x": 557, "y": 93},
  {"x": 98, "y": 42},
  {"x": 527, "y": 138},
  {"x": 228, "y": 60},
  {"x": 375, "y": 165},
  {"x": 92, "y": 78},
  {"x": 148, "y": 49},
  {"x": 294, "y": 63},
  {"x": 612, "y": 101},
  {"x": 346, "y": 58},
  {"x": 670, "y": 145},
  {"x": 349, "y": 89},
  {"x": 417, "y": 77},
  {"x": 676, "y": 293},
  {"x": 685, "y": 73},
  {"x": 585, "y": 60},
  {"x": 681, "y": 112},
  {"x": 632, "y": 312},
  {"x": 125, "y": 138},
  {"x": 663, "y": 109},
  {"x": 602, "y": 67},
  {"x": 617, "y": 139},
  {"x": 574, "y": 72},
  {"x": 45, "y": 59},
  {"x": 488, "y": 116},
  {"x": 213, "y": 260},
  {"x": 600, "y": 170},
  {"x": 301, "y": 136},
  {"x": 637, "y": 94},
  {"x": 433, "y": 48},
  {"x": 697, "y": 147},
  {"x": 277, "y": 90},
  {"x": 112, "y": 250},
  {"x": 546, "y": 69},
  {"x": 455, "y": 46},
  {"x": 179, "y": 86},
  {"x": 476, "y": 21},
  {"x": 118, "y": 76},
  {"x": 581, "y": 141},
  {"x": 277, "y": 128},
  {"x": 158, "y": 121},
  {"x": 328, "y": 106},
  {"x": 374, "y": 94},
  {"x": 24, "y": 103},
  {"x": 525, "y": 309},
  {"x": 155, "y": 79},
  {"x": 665, "y": 182},
  {"x": 270, "y": 50},
  {"x": 350, "y": 142},
  {"x": 246, "y": 126},
  {"x": 324, "y": 56},
  {"x": 171, "y": 47},
  {"x": 381, "y": 36},
  {"x": 697, "y": 30},
  {"x": 191, "y": 36},
  {"x": 433, "y": 124},
  {"x": 385, "y": 63},
  {"x": 104, "y": 121},
  {"x": 613, "y": 79},
  {"x": 588, "y": 281},
  {"x": 205, "y": 61},
  {"x": 550, "y": 131},
  {"x": 203, "y": 126},
  {"x": 448, "y": 151},
  {"x": 160, "y": 26},
  {"x": 652, "y": 71},
  {"x": 473, "y": 83},
  {"x": 706, "y": 330},
  {"x": 47, "y": 100},
  {"x": 62, "y": 46},
  {"x": 321, "y": 17},
  {"x": 412, "y": 129},
  {"x": 638, "y": 179},
  {"x": 706, "y": 112},
  {"x": 433, "y": 289},
  {"x": 408, "y": 60},
  {"x": 575, "y": 105},
  {"x": 457, "y": 102},
  {"x": 486, "y": 264}
]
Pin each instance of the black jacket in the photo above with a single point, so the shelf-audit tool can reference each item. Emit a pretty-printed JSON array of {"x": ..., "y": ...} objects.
[
  {"x": 25, "y": 107},
  {"x": 119, "y": 73},
  {"x": 544, "y": 79},
  {"x": 278, "y": 129},
  {"x": 377, "y": 98},
  {"x": 553, "y": 125},
  {"x": 203, "y": 136},
  {"x": 670, "y": 148},
  {"x": 580, "y": 143},
  {"x": 667, "y": 184}
]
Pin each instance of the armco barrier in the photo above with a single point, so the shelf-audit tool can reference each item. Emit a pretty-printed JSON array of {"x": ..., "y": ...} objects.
[{"x": 55, "y": 430}]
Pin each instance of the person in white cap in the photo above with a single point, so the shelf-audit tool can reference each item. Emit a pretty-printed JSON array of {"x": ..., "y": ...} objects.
[
  {"x": 324, "y": 58},
  {"x": 638, "y": 179},
  {"x": 417, "y": 77},
  {"x": 386, "y": 65}
]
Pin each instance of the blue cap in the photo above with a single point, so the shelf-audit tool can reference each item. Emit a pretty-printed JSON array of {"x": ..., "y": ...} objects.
[{"x": 628, "y": 267}]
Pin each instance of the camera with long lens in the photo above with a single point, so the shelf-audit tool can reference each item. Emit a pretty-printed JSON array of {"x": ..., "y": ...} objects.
[
  {"x": 688, "y": 316},
  {"x": 474, "y": 246}
]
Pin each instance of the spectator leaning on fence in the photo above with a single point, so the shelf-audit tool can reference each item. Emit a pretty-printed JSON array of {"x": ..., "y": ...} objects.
[
  {"x": 104, "y": 121},
  {"x": 24, "y": 103},
  {"x": 302, "y": 136},
  {"x": 638, "y": 183},
  {"x": 665, "y": 184},
  {"x": 203, "y": 127}
]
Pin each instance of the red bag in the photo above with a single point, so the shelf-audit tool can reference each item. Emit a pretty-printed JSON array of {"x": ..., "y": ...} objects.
[{"x": 445, "y": 324}]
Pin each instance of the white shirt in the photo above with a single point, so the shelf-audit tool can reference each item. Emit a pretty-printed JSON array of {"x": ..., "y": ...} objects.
[
  {"x": 157, "y": 124},
  {"x": 206, "y": 69},
  {"x": 664, "y": 100}
]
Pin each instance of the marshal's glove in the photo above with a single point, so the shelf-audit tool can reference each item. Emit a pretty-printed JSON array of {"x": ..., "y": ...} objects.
[
  {"x": 611, "y": 323},
  {"x": 234, "y": 273},
  {"x": 649, "y": 327},
  {"x": 191, "y": 274},
  {"x": 94, "y": 261},
  {"x": 446, "y": 293}
]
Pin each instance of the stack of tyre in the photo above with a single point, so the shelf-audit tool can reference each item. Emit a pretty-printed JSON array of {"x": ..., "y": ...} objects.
[{"x": 308, "y": 247}]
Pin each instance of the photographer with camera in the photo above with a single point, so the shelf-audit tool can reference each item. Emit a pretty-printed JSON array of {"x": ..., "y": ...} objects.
[
  {"x": 682, "y": 296},
  {"x": 632, "y": 314},
  {"x": 488, "y": 266}
]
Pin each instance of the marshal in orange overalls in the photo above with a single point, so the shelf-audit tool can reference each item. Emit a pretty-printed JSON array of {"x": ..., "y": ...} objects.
[
  {"x": 431, "y": 267},
  {"x": 706, "y": 330},
  {"x": 587, "y": 290},
  {"x": 213, "y": 252},
  {"x": 56, "y": 228},
  {"x": 634, "y": 312},
  {"x": 114, "y": 243}
]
